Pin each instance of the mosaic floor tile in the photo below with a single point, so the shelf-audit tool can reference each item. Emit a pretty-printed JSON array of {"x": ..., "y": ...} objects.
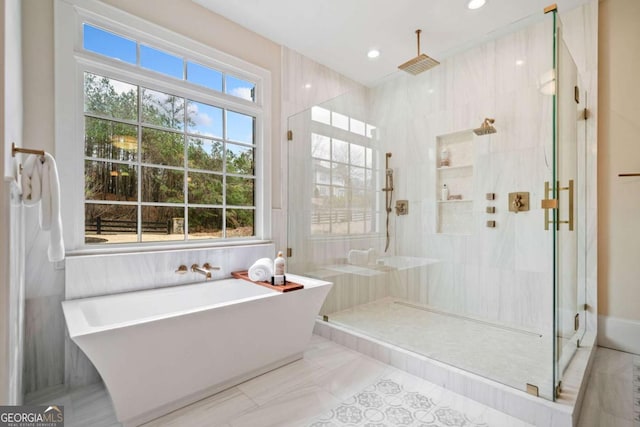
[{"x": 388, "y": 403}]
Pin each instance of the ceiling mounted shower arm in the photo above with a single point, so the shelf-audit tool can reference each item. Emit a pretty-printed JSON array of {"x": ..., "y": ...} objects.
[{"x": 420, "y": 63}]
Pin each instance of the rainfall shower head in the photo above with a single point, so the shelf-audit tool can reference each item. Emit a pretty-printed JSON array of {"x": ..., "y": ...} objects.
[
  {"x": 486, "y": 127},
  {"x": 420, "y": 63}
]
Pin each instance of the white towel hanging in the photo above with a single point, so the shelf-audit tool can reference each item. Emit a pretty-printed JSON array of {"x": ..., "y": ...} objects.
[
  {"x": 40, "y": 183},
  {"x": 30, "y": 180}
]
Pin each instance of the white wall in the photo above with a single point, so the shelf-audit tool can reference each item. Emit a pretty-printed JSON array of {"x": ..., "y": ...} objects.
[
  {"x": 11, "y": 257},
  {"x": 619, "y": 197},
  {"x": 4, "y": 229}
]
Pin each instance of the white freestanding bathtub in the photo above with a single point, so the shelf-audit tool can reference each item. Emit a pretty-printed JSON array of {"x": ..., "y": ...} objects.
[{"x": 161, "y": 349}]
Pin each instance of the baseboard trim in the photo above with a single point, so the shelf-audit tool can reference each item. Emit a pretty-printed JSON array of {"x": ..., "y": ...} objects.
[{"x": 619, "y": 334}]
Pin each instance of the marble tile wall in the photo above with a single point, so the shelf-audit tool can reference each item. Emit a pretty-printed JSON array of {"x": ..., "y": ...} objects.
[
  {"x": 92, "y": 275},
  {"x": 324, "y": 83}
]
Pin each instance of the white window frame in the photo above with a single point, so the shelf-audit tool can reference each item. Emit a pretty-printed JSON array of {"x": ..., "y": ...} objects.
[{"x": 71, "y": 61}]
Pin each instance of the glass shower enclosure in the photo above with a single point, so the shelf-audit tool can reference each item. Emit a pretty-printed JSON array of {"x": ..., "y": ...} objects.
[{"x": 485, "y": 275}]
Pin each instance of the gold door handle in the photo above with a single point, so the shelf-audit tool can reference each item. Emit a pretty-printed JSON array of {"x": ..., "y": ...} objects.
[{"x": 549, "y": 203}]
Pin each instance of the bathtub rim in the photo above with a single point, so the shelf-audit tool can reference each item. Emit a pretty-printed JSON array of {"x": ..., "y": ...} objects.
[{"x": 78, "y": 325}]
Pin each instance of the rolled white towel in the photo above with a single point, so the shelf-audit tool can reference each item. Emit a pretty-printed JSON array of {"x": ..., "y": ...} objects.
[{"x": 261, "y": 270}]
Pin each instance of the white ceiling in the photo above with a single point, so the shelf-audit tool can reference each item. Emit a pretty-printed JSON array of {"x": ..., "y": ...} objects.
[{"x": 339, "y": 33}]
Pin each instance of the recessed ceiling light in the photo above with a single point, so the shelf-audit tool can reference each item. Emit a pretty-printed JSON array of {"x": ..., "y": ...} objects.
[
  {"x": 520, "y": 62},
  {"x": 307, "y": 86},
  {"x": 373, "y": 53},
  {"x": 476, "y": 4}
]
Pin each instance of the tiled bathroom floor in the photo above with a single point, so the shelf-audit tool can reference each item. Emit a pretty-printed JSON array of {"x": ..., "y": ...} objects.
[
  {"x": 508, "y": 355},
  {"x": 329, "y": 382}
]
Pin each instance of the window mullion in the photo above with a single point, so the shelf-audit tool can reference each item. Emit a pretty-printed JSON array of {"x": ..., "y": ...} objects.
[
  {"x": 331, "y": 173},
  {"x": 139, "y": 156},
  {"x": 224, "y": 168},
  {"x": 186, "y": 169}
]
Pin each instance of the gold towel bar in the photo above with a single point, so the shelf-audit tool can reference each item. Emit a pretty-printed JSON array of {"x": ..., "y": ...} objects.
[
  {"x": 629, "y": 174},
  {"x": 15, "y": 150}
]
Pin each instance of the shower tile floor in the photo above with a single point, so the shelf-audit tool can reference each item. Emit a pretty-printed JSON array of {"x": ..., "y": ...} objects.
[
  {"x": 511, "y": 356},
  {"x": 330, "y": 386}
]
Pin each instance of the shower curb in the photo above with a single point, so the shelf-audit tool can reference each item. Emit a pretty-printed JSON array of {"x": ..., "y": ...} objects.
[{"x": 534, "y": 410}]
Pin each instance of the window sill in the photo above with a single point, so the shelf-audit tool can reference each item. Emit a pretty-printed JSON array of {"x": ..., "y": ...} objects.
[{"x": 155, "y": 247}]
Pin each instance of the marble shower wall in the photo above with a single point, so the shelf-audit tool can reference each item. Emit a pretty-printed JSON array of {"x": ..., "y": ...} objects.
[{"x": 504, "y": 273}]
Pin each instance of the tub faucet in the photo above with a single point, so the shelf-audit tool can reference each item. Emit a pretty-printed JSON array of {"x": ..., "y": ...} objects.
[
  {"x": 205, "y": 270},
  {"x": 197, "y": 269}
]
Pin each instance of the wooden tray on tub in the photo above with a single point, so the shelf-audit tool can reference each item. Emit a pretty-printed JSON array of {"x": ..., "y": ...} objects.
[{"x": 290, "y": 286}]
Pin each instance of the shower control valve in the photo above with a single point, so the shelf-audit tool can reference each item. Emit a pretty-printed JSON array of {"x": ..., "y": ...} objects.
[
  {"x": 402, "y": 207},
  {"x": 519, "y": 202}
]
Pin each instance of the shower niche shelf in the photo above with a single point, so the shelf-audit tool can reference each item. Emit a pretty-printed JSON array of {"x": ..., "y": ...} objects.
[
  {"x": 448, "y": 168},
  {"x": 455, "y": 216}
]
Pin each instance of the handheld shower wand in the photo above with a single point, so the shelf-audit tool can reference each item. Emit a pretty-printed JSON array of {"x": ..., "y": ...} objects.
[{"x": 388, "y": 190}]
